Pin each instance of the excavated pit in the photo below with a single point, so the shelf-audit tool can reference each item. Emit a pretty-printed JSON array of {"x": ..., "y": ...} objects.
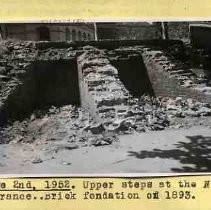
[
  {"x": 133, "y": 74},
  {"x": 45, "y": 84}
]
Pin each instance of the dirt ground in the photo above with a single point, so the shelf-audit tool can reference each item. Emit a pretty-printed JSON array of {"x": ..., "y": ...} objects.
[{"x": 180, "y": 150}]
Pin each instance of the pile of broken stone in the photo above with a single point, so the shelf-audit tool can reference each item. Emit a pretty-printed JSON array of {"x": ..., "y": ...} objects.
[
  {"x": 75, "y": 126},
  {"x": 150, "y": 113},
  {"x": 120, "y": 112}
]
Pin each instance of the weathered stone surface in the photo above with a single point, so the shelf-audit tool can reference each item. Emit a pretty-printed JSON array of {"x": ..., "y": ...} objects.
[{"x": 112, "y": 108}]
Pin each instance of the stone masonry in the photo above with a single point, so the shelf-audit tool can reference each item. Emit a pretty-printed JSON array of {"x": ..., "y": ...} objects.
[{"x": 102, "y": 93}]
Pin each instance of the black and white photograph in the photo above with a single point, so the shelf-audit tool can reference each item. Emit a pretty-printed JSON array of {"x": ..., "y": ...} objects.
[{"x": 105, "y": 97}]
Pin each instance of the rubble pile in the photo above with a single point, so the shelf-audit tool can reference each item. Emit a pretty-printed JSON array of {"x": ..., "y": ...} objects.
[
  {"x": 189, "y": 107},
  {"x": 67, "y": 123},
  {"x": 50, "y": 54},
  {"x": 116, "y": 111},
  {"x": 150, "y": 113},
  {"x": 76, "y": 127}
]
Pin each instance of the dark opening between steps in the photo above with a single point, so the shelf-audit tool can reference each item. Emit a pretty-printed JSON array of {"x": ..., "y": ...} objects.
[
  {"x": 133, "y": 74},
  {"x": 46, "y": 83}
]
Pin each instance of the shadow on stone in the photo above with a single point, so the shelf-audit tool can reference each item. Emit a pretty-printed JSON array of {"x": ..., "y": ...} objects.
[
  {"x": 133, "y": 74},
  {"x": 45, "y": 84},
  {"x": 196, "y": 153}
]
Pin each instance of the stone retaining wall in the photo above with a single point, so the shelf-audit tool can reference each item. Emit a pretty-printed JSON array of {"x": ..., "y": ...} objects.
[
  {"x": 102, "y": 93},
  {"x": 165, "y": 83}
]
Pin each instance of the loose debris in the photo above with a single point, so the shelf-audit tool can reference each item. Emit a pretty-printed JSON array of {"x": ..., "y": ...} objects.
[
  {"x": 119, "y": 112},
  {"x": 74, "y": 126}
]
